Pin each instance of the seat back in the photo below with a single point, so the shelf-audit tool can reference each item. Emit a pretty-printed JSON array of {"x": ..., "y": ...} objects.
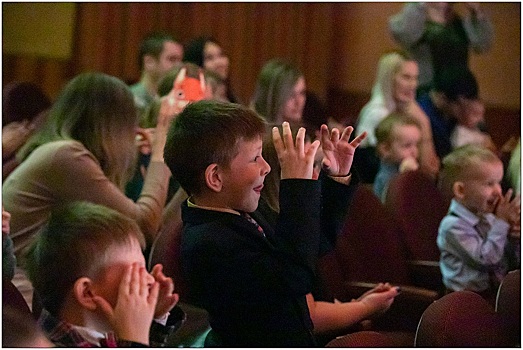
[
  {"x": 369, "y": 251},
  {"x": 362, "y": 339},
  {"x": 369, "y": 247},
  {"x": 12, "y": 297},
  {"x": 415, "y": 201},
  {"x": 508, "y": 305},
  {"x": 460, "y": 319},
  {"x": 166, "y": 248}
]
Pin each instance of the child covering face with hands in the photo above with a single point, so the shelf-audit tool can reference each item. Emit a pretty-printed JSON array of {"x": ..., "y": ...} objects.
[{"x": 88, "y": 268}]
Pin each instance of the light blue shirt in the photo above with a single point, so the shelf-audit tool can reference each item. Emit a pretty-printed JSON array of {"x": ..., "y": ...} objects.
[
  {"x": 381, "y": 183},
  {"x": 466, "y": 257}
]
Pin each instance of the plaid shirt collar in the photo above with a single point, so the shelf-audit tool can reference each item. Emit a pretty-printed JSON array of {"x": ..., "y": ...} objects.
[{"x": 64, "y": 334}]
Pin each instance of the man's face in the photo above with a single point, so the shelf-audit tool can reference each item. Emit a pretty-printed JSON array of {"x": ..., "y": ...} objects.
[{"x": 171, "y": 54}]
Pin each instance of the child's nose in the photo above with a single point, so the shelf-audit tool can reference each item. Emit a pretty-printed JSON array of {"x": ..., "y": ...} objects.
[{"x": 266, "y": 168}]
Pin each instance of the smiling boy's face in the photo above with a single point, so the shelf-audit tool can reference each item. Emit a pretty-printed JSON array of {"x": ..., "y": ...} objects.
[
  {"x": 242, "y": 181},
  {"x": 481, "y": 188}
]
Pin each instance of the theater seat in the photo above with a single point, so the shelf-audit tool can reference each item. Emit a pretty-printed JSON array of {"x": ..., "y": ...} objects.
[
  {"x": 368, "y": 251},
  {"x": 461, "y": 319},
  {"x": 508, "y": 305},
  {"x": 418, "y": 206}
]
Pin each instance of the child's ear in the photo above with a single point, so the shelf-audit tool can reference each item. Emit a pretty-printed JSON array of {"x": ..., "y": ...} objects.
[
  {"x": 83, "y": 293},
  {"x": 213, "y": 178},
  {"x": 458, "y": 189}
]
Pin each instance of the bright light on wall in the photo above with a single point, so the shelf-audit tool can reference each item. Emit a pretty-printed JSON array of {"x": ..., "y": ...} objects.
[{"x": 38, "y": 29}]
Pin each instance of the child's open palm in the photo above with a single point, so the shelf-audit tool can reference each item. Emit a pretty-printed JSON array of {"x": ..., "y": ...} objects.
[
  {"x": 167, "y": 299},
  {"x": 509, "y": 210},
  {"x": 296, "y": 162},
  {"x": 338, "y": 153}
]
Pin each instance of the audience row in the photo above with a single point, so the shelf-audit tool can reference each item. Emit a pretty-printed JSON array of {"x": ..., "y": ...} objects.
[{"x": 94, "y": 177}]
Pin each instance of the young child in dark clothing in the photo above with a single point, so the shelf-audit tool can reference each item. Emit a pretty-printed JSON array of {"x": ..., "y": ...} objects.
[
  {"x": 88, "y": 268},
  {"x": 252, "y": 277}
]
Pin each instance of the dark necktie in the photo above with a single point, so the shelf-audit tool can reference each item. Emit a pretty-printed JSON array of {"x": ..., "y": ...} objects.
[
  {"x": 483, "y": 228},
  {"x": 252, "y": 221}
]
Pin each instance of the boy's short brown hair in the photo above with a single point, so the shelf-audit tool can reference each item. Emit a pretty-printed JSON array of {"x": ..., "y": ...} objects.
[
  {"x": 74, "y": 244},
  {"x": 208, "y": 132}
]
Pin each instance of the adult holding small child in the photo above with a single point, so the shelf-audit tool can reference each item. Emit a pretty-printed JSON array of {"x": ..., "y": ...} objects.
[{"x": 393, "y": 91}]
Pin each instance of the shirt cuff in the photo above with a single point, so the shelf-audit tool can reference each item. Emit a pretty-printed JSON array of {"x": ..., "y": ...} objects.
[
  {"x": 345, "y": 180},
  {"x": 162, "y": 320}
]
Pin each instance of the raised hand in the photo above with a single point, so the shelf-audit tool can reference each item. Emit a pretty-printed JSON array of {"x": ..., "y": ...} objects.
[
  {"x": 170, "y": 106},
  {"x": 509, "y": 210},
  {"x": 295, "y": 161},
  {"x": 174, "y": 102},
  {"x": 166, "y": 298},
  {"x": 132, "y": 315},
  {"x": 338, "y": 153}
]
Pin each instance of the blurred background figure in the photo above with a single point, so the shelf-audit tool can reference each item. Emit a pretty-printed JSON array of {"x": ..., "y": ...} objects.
[
  {"x": 159, "y": 52},
  {"x": 438, "y": 37},
  {"x": 394, "y": 91},
  {"x": 24, "y": 110},
  {"x": 206, "y": 52}
]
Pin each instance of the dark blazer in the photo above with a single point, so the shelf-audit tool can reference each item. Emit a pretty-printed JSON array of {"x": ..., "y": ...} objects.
[{"x": 254, "y": 287}]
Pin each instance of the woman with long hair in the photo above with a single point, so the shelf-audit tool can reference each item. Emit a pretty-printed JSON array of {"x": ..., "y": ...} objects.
[
  {"x": 393, "y": 91},
  {"x": 86, "y": 152}
]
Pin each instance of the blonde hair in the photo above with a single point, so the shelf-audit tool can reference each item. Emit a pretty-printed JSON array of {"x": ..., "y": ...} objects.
[
  {"x": 388, "y": 66},
  {"x": 384, "y": 129},
  {"x": 460, "y": 163}
]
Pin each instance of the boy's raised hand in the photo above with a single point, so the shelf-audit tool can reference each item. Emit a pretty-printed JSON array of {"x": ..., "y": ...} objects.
[
  {"x": 167, "y": 299},
  {"x": 338, "y": 153},
  {"x": 132, "y": 315},
  {"x": 295, "y": 161}
]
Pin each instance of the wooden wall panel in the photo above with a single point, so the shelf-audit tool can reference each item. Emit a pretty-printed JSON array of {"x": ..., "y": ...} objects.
[{"x": 336, "y": 45}]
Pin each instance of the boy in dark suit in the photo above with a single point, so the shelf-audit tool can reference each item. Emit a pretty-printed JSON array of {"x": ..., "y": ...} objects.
[{"x": 252, "y": 277}]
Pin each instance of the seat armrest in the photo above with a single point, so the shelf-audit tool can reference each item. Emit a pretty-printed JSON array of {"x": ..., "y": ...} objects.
[
  {"x": 404, "y": 312},
  {"x": 426, "y": 274}
]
